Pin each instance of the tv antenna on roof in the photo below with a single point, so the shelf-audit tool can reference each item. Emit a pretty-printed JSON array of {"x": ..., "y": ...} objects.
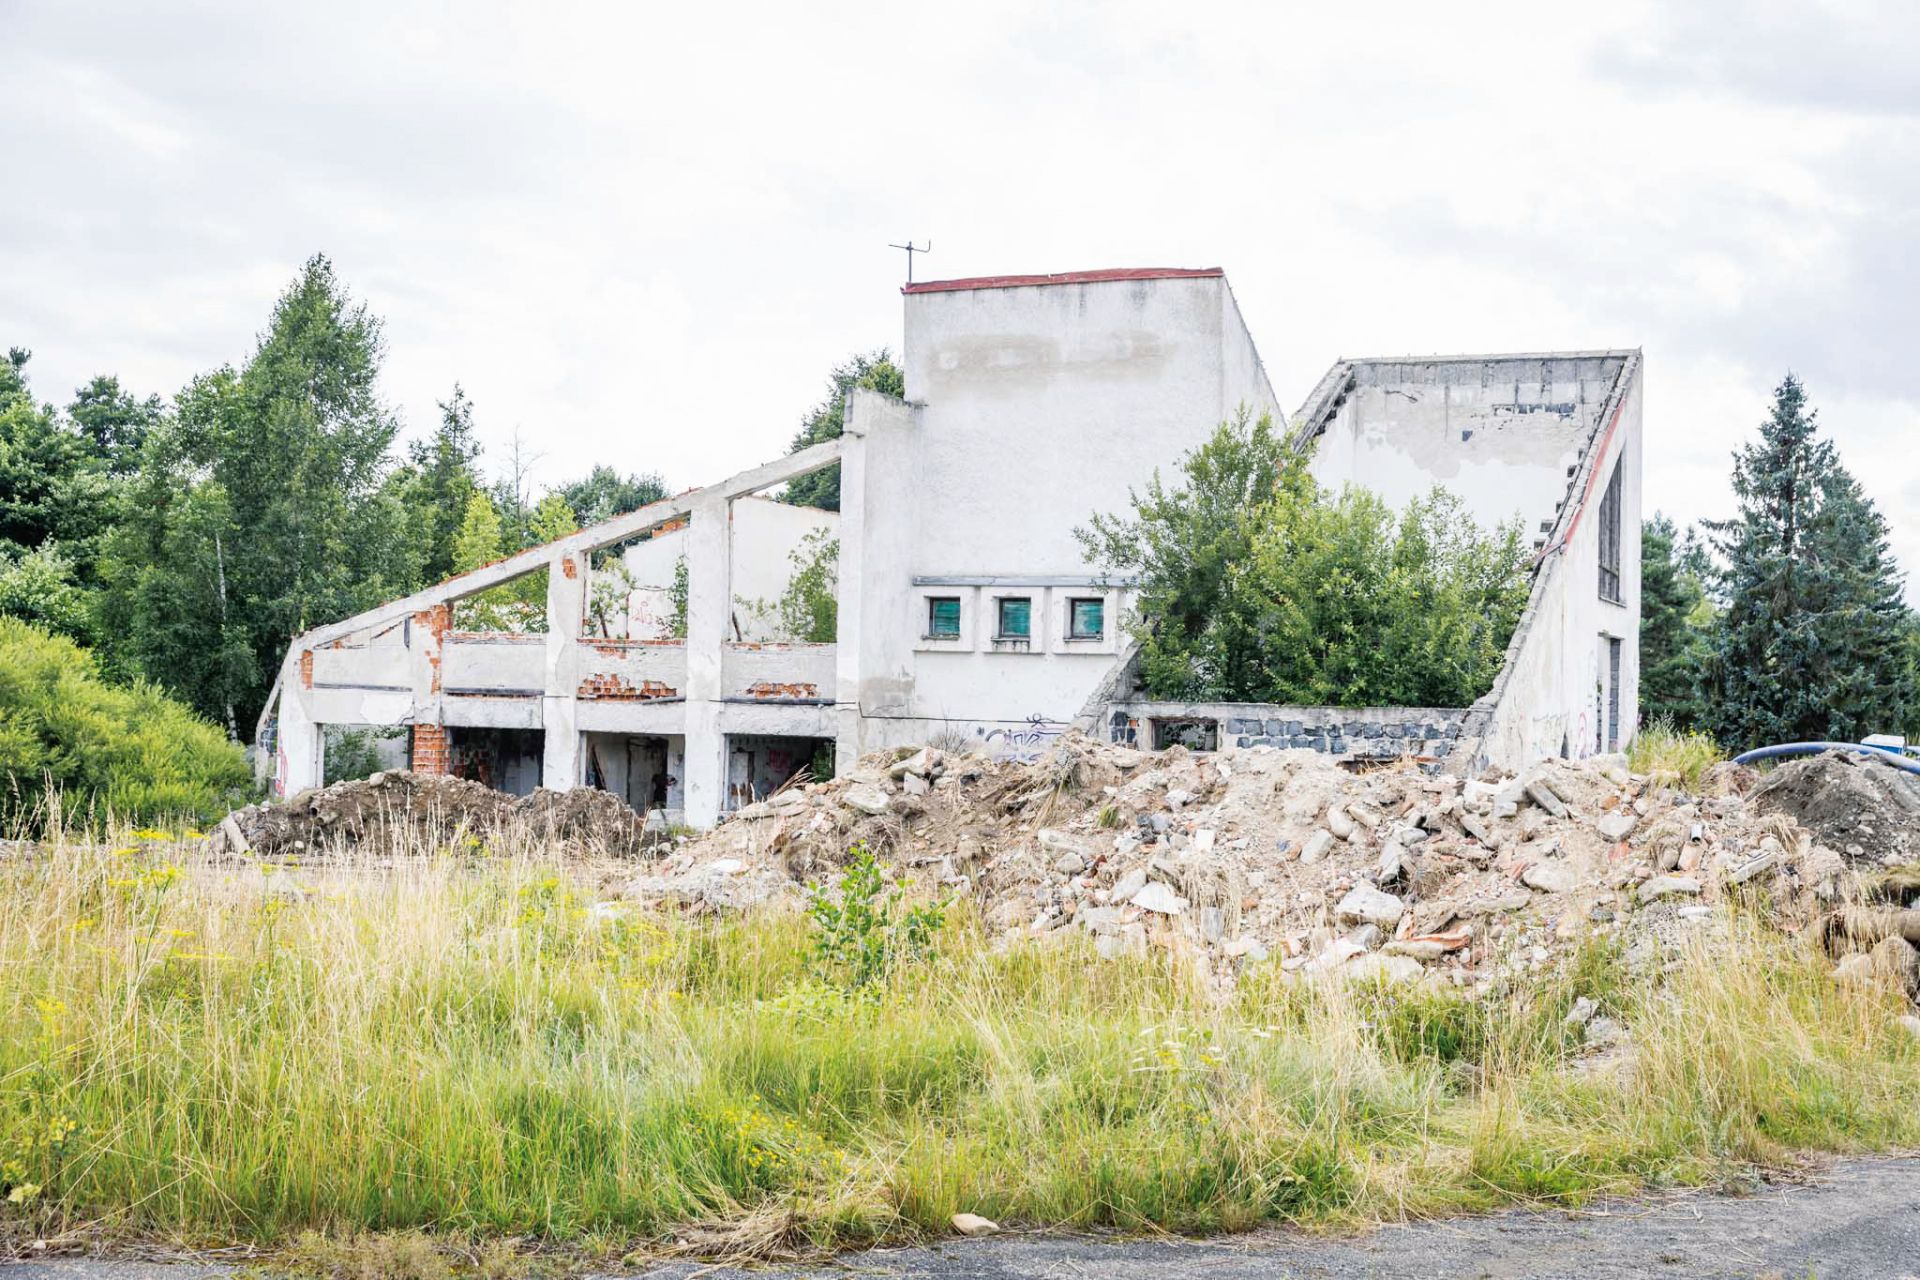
[{"x": 912, "y": 249}]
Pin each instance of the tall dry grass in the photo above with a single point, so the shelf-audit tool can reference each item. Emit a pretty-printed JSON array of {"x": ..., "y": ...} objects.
[
  {"x": 472, "y": 1047},
  {"x": 1683, "y": 756}
]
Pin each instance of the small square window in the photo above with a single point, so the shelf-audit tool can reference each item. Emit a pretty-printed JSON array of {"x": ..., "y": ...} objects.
[
  {"x": 943, "y": 617},
  {"x": 1086, "y": 618},
  {"x": 1016, "y": 618}
]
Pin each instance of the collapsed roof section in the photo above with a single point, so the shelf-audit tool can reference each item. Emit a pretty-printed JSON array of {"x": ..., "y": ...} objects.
[{"x": 1510, "y": 435}]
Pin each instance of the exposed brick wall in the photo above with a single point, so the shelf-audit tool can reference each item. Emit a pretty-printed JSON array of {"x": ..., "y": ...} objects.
[
  {"x": 306, "y": 668},
  {"x": 608, "y": 687},
  {"x": 770, "y": 691},
  {"x": 430, "y": 751}
]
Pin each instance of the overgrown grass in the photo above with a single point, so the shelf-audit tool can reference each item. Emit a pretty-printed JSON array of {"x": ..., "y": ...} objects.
[
  {"x": 1686, "y": 755},
  {"x": 470, "y": 1049}
]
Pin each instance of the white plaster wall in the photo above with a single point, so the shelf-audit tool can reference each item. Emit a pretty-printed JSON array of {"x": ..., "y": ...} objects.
[
  {"x": 1500, "y": 434},
  {"x": 1547, "y": 697},
  {"x": 1043, "y": 404},
  {"x": 1034, "y": 407}
]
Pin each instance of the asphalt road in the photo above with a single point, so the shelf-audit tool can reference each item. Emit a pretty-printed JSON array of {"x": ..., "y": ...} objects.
[{"x": 1857, "y": 1218}]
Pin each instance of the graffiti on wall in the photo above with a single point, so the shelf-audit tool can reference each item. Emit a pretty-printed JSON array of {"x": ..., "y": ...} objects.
[{"x": 1023, "y": 743}]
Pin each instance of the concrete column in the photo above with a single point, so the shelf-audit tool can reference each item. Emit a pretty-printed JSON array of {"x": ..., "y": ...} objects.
[
  {"x": 299, "y": 764},
  {"x": 426, "y": 646},
  {"x": 850, "y": 596},
  {"x": 559, "y": 700},
  {"x": 709, "y": 604}
]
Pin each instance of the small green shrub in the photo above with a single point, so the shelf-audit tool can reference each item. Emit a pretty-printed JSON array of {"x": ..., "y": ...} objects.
[
  {"x": 125, "y": 750},
  {"x": 860, "y": 939},
  {"x": 1687, "y": 755}
]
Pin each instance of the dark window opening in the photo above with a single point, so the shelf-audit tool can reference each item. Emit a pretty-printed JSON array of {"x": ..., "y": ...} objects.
[
  {"x": 1613, "y": 693},
  {"x": 1193, "y": 734},
  {"x": 1016, "y": 618},
  {"x": 943, "y": 617},
  {"x": 1610, "y": 539},
  {"x": 1086, "y": 618}
]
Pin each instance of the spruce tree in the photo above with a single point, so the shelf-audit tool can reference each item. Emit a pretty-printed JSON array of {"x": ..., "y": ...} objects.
[
  {"x": 1810, "y": 645},
  {"x": 1673, "y": 609}
]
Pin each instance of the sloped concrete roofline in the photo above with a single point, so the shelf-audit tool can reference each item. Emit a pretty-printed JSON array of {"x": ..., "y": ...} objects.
[
  {"x": 1064, "y": 277},
  {"x": 591, "y": 538}
]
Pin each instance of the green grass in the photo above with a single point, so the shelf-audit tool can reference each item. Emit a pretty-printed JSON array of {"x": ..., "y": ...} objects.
[
  {"x": 1684, "y": 755},
  {"x": 465, "y": 1050}
]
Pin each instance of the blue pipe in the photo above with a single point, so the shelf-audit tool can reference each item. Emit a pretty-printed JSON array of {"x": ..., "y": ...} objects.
[{"x": 1888, "y": 754}]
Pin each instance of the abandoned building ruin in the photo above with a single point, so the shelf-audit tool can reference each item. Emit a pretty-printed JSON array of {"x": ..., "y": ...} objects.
[{"x": 965, "y": 607}]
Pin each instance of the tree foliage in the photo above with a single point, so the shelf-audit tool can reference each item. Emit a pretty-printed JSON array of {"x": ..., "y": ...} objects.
[
  {"x": 54, "y": 487},
  {"x": 604, "y": 493},
  {"x": 1256, "y": 585},
  {"x": 1812, "y": 643},
  {"x": 125, "y": 751},
  {"x": 808, "y": 609},
  {"x": 438, "y": 483},
  {"x": 263, "y": 506},
  {"x": 1675, "y": 622},
  {"x": 874, "y": 370}
]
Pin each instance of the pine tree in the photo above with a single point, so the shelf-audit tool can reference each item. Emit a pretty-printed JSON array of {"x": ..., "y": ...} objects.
[
  {"x": 1673, "y": 617},
  {"x": 875, "y": 371},
  {"x": 1810, "y": 645},
  {"x": 438, "y": 484}
]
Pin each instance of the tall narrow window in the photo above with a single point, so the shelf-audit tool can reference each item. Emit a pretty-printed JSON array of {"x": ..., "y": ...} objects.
[
  {"x": 1016, "y": 618},
  {"x": 1610, "y": 539},
  {"x": 1614, "y": 645},
  {"x": 943, "y": 617}
]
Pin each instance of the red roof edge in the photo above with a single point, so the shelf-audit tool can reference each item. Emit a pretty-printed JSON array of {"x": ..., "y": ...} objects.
[{"x": 1063, "y": 277}]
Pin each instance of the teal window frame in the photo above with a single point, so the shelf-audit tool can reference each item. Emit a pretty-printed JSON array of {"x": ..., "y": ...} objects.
[
  {"x": 935, "y": 612},
  {"x": 1024, "y": 612},
  {"x": 1097, "y": 605}
]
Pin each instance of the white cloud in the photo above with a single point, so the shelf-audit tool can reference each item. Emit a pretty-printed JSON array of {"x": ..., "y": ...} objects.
[{"x": 644, "y": 233}]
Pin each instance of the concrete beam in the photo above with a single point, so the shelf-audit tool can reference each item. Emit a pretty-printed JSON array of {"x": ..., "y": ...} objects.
[{"x": 592, "y": 538}]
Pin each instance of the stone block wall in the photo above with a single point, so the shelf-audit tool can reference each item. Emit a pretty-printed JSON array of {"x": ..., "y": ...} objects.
[{"x": 1348, "y": 732}]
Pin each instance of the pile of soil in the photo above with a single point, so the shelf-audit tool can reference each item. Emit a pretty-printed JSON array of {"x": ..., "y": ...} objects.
[
  {"x": 399, "y": 813},
  {"x": 1253, "y": 852},
  {"x": 1862, "y": 804}
]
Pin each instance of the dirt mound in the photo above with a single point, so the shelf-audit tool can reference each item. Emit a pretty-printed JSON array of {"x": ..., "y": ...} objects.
[
  {"x": 1243, "y": 854},
  {"x": 1863, "y": 805},
  {"x": 585, "y": 819},
  {"x": 400, "y": 813}
]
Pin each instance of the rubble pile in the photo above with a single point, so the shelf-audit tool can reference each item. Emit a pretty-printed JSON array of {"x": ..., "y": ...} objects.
[
  {"x": 1258, "y": 852},
  {"x": 399, "y": 812},
  {"x": 1859, "y": 803}
]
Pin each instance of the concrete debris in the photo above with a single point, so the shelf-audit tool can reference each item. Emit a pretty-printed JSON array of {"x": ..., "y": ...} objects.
[
  {"x": 1366, "y": 903},
  {"x": 1552, "y": 876},
  {"x": 867, "y": 798},
  {"x": 972, "y": 1224},
  {"x": 1669, "y": 887},
  {"x": 1282, "y": 857},
  {"x": 1316, "y": 847},
  {"x": 396, "y": 814},
  {"x": 1158, "y": 897},
  {"x": 1248, "y": 856}
]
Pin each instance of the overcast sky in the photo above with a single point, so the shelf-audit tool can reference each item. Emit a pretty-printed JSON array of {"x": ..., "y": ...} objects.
[{"x": 641, "y": 234}]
